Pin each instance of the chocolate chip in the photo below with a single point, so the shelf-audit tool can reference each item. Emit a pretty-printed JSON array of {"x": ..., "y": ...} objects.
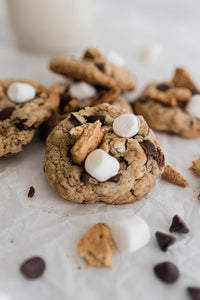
[
  {"x": 31, "y": 192},
  {"x": 33, "y": 267},
  {"x": 64, "y": 100},
  {"x": 164, "y": 240},
  {"x": 194, "y": 292},
  {"x": 84, "y": 177},
  {"x": 163, "y": 87},
  {"x": 178, "y": 225},
  {"x": 19, "y": 123},
  {"x": 167, "y": 272},
  {"x": 151, "y": 151},
  {"x": 94, "y": 118},
  {"x": 133, "y": 192},
  {"x": 115, "y": 178},
  {"x": 6, "y": 113},
  {"x": 101, "y": 67},
  {"x": 74, "y": 121}
]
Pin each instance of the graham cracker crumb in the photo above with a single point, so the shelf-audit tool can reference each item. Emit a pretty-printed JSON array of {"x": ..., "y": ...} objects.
[
  {"x": 173, "y": 176},
  {"x": 196, "y": 166},
  {"x": 97, "y": 246}
]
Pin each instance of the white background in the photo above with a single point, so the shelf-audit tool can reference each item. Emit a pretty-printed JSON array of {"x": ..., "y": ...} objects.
[{"x": 49, "y": 226}]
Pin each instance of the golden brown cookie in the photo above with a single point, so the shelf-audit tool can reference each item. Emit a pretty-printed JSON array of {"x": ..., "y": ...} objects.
[
  {"x": 18, "y": 121},
  {"x": 196, "y": 166},
  {"x": 95, "y": 69},
  {"x": 97, "y": 246},
  {"x": 164, "y": 105},
  {"x": 140, "y": 158}
]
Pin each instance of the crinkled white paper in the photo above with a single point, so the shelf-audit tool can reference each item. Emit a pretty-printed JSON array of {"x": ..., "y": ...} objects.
[{"x": 50, "y": 227}]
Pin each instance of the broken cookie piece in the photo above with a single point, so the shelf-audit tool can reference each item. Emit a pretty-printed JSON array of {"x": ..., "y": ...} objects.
[
  {"x": 88, "y": 141},
  {"x": 173, "y": 176},
  {"x": 196, "y": 166},
  {"x": 97, "y": 246}
]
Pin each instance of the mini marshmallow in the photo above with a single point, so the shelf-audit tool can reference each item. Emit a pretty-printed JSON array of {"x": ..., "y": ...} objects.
[
  {"x": 21, "y": 92},
  {"x": 131, "y": 234},
  {"x": 82, "y": 90},
  {"x": 101, "y": 165},
  {"x": 115, "y": 58},
  {"x": 126, "y": 125},
  {"x": 193, "y": 107}
]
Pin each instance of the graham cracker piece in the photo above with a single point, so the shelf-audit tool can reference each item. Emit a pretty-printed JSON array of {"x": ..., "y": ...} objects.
[
  {"x": 183, "y": 79},
  {"x": 173, "y": 176},
  {"x": 196, "y": 166},
  {"x": 87, "y": 142},
  {"x": 108, "y": 96},
  {"x": 164, "y": 97},
  {"x": 181, "y": 94},
  {"x": 97, "y": 246}
]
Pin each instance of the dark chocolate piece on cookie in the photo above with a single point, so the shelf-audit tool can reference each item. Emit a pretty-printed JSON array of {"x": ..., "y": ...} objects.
[
  {"x": 167, "y": 272},
  {"x": 151, "y": 151},
  {"x": 164, "y": 240},
  {"x": 163, "y": 87},
  {"x": 178, "y": 225},
  {"x": 94, "y": 118},
  {"x": 6, "y": 113},
  {"x": 74, "y": 120},
  {"x": 115, "y": 178},
  {"x": 84, "y": 177}
]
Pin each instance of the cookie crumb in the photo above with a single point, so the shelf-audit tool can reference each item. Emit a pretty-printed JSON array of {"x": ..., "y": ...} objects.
[
  {"x": 199, "y": 197},
  {"x": 97, "y": 246},
  {"x": 173, "y": 176},
  {"x": 196, "y": 166},
  {"x": 31, "y": 192},
  {"x": 11, "y": 241}
]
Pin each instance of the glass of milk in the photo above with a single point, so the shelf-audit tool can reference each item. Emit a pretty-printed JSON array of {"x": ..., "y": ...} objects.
[{"x": 51, "y": 25}]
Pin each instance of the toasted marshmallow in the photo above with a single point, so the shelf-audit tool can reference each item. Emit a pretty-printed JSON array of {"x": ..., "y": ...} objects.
[
  {"x": 115, "y": 58},
  {"x": 131, "y": 234},
  {"x": 101, "y": 165},
  {"x": 82, "y": 90},
  {"x": 126, "y": 125},
  {"x": 21, "y": 92},
  {"x": 193, "y": 106}
]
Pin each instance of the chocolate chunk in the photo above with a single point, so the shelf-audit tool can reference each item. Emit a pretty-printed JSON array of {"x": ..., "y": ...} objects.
[
  {"x": 167, "y": 272},
  {"x": 31, "y": 192},
  {"x": 194, "y": 292},
  {"x": 94, "y": 118},
  {"x": 178, "y": 225},
  {"x": 115, "y": 178},
  {"x": 19, "y": 123},
  {"x": 64, "y": 100},
  {"x": 133, "y": 192},
  {"x": 74, "y": 121},
  {"x": 164, "y": 240},
  {"x": 163, "y": 87},
  {"x": 151, "y": 151},
  {"x": 194, "y": 92},
  {"x": 6, "y": 113},
  {"x": 33, "y": 267},
  {"x": 84, "y": 177},
  {"x": 101, "y": 67}
]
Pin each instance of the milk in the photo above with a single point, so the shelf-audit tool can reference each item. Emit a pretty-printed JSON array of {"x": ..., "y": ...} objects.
[{"x": 51, "y": 25}]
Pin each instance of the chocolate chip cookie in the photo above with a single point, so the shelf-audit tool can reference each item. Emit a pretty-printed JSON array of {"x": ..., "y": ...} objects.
[
  {"x": 19, "y": 117},
  {"x": 69, "y": 104},
  {"x": 165, "y": 105},
  {"x": 140, "y": 158},
  {"x": 95, "y": 69}
]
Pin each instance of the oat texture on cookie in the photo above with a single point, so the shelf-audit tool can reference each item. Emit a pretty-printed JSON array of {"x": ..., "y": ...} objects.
[
  {"x": 86, "y": 161},
  {"x": 172, "y": 106}
]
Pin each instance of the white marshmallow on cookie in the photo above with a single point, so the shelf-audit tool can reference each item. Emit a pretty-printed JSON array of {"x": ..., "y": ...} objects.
[
  {"x": 131, "y": 234},
  {"x": 193, "y": 106},
  {"x": 126, "y": 125},
  {"x": 101, "y": 165},
  {"x": 20, "y": 92},
  {"x": 82, "y": 90},
  {"x": 115, "y": 58}
]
